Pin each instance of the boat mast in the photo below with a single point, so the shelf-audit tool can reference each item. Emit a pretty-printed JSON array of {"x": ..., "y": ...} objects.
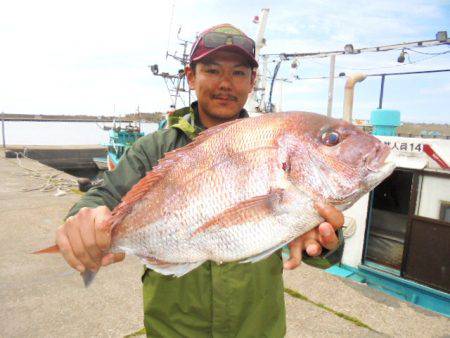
[
  {"x": 255, "y": 100},
  {"x": 175, "y": 83}
]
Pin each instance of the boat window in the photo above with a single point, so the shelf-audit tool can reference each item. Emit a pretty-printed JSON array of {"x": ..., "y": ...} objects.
[
  {"x": 409, "y": 227},
  {"x": 445, "y": 211},
  {"x": 433, "y": 197},
  {"x": 428, "y": 252},
  {"x": 389, "y": 219}
]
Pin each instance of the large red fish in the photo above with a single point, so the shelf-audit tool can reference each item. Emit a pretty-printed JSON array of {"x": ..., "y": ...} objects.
[{"x": 244, "y": 189}]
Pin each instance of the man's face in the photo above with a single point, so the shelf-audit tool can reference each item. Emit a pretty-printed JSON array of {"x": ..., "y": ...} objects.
[{"x": 222, "y": 82}]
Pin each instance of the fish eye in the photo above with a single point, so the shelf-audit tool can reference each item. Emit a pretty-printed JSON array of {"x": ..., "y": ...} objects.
[{"x": 330, "y": 138}]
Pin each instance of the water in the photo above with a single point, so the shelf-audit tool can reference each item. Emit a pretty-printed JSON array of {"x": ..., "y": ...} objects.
[
  {"x": 60, "y": 133},
  {"x": 63, "y": 133}
]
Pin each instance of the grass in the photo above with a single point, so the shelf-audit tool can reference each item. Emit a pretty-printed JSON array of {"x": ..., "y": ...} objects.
[{"x": 351, "y": 319}]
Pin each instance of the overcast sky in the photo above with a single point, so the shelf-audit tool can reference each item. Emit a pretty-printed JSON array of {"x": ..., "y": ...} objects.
[{"x": 91, "y": 57}]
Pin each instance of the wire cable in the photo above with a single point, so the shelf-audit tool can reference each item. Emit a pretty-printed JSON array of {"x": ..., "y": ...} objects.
[
  {"x": 397, "y": 65},
  {"x": 425, "y": 53}
]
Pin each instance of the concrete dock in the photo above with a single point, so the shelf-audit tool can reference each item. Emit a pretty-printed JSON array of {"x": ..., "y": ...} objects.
[
  {"x": 60, "y": 157},
  {"x": 41, "y": 297}
]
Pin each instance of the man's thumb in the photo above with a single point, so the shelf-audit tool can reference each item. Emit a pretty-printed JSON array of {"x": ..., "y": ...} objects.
[{"x": 102, "y": 226}]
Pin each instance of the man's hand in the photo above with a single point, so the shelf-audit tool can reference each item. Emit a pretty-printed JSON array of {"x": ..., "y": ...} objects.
[
  {"x": 322, "y": 236},
  {"x": 83, "y": 242}
]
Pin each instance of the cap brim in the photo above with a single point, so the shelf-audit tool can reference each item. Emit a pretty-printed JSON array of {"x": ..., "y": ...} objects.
[{"x": 231, "y": 48}]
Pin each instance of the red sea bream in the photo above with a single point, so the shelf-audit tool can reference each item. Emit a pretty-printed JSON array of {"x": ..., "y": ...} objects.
[{"x": 244, "y": 189}]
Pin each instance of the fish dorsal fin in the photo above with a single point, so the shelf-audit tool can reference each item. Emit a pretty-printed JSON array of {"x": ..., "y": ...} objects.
[
  {"x": 174, "y": 155},
  {"x": 141, "y": 188},
  {"x": 214, "y": 130},
  {"x": 202, "y": 137}
]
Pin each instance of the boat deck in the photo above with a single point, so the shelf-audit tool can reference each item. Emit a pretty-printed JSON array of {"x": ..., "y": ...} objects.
[{"x": 41, "y": 298}]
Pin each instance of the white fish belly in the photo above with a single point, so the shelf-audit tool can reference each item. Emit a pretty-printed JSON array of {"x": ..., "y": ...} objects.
[{"x": 165, "y": 242}]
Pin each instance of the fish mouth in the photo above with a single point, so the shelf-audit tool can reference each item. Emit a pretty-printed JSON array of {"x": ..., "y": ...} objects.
[
  {"x": 374, "y": 178},
  {"x": 377, "y": 176},
  {"x": 375, "y": 161}
]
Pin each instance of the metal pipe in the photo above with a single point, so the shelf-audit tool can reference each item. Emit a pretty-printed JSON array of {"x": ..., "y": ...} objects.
[
  {"x": 280, "y": 95},
  {"x": 410, "y": 73},
  {"x": 380, "y": 103},
  {"x": 348, "y": 95},
  {"x": 424, "y": 43},
  {"x": 260, "y": 41},
  {"x": 331, "y": 85},
  {"x": 263, "y": 84},
  {"x": 253, "y": 104},
  {"x": 269, "y": 108},
  {"x": 3, "y": 129}
]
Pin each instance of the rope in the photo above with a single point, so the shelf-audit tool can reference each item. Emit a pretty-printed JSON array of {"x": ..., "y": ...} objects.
[{"x": 51, "y": 180}]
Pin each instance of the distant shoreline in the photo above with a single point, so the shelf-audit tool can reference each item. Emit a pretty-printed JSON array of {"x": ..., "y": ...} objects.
[
  {"x": 45, "y": 119},
  {"x": 442, "y": 130},
  {"x": 146, "y": 117}
]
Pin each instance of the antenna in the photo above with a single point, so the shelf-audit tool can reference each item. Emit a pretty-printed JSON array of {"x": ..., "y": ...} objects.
[
  {"x": 170, "y": 26},
  {"x": 176, "y": 83}
]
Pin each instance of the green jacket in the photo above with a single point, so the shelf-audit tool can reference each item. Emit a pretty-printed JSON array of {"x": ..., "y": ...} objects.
[{"x": 228, "y": 300}]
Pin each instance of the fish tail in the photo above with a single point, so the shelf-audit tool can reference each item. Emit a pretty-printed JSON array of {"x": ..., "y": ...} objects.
[
  {"x": 49, "y": 250},
  {"x": 88, "y": 277}
]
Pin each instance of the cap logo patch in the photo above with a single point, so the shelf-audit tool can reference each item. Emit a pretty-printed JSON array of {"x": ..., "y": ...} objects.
[{"x": 228, "y": 30}]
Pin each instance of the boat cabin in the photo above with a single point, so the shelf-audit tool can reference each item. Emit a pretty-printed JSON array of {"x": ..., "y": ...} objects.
[{"x": 399, "y": 234}]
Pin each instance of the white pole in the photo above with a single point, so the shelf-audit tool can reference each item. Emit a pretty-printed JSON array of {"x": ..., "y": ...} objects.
[
  {"x": 260, "y": 42},
  {"x": 280, "y": 93},
  {"x": 3, "y": 129},
  {"x": 263, "y": 83},
  {"x": 331, "y": 85}
]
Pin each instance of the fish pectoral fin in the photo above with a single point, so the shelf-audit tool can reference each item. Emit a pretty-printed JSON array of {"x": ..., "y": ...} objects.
[
  {"x": 252, "y": 209},
  {"x": 176, "y": 270},
  {"x": 264, "y": 254}
]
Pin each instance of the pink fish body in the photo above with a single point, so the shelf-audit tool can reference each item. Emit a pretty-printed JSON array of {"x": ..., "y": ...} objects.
[{"x": 244, "y": 189}]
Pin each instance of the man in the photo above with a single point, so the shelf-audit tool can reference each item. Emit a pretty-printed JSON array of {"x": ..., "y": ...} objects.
[{"x": 225, "y": 300}]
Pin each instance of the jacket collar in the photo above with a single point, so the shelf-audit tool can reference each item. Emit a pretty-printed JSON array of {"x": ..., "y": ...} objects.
[{"x": 187, "y": 120}]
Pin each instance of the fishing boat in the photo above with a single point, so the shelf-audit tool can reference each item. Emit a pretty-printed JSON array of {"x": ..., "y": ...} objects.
[
  {"x": 120, "y": 139},
  {"x": 397, "y": 237}
]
